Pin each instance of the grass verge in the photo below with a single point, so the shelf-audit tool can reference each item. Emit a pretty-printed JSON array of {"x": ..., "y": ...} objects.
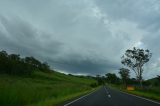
[
  {"x": 56, "y": 101},
  {"x": 152, "y": 93},
  {"x": 41, "y": 89}
]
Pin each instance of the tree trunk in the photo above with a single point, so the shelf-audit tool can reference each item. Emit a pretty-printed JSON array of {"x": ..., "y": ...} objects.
[
  {"x": 125, "y": 84},
  {"x": 140, "y": 76},
  {"x": 141, "y": 83}
]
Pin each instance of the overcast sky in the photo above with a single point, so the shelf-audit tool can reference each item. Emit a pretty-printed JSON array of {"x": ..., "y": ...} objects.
[{"x": 81, "y": 36}]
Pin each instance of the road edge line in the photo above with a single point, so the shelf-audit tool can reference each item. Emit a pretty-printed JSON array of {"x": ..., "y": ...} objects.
[
  {"x": 140, "y": 97},
  {"x": 79, "y": 98}
]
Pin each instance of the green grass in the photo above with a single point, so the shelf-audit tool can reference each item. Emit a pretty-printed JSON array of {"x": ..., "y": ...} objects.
[
  {"x": 150, "y": 92},
  {"x": 41, "y": 89}
]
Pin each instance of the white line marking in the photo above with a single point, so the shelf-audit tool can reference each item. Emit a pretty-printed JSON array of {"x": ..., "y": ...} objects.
[
  {"x": 79, "y": 98},
  {"x": 109, "y": 96},
  {"x": 106, "y": 90},
  {"x": 141, "y": 97}
]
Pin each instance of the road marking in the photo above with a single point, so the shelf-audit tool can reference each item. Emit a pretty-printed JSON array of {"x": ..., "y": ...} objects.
[
  {"x": 109, "y": 96},
  {"x": 79, "y": 98},
  {"x": 106, "y": 90},
  {"x": 141, "y": 97}
]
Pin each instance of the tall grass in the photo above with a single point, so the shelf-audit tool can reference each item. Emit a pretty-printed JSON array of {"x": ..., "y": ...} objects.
[{"x": 40, "y": 88}]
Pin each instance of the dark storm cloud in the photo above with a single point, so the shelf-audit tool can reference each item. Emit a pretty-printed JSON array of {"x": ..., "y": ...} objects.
[
  {"x": 19, "y": 36},
  {"x": 81, "y": 36},
  {"x": 85, "y": 66}
]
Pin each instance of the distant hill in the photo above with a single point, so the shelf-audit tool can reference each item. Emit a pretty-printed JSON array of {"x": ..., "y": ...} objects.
[{"x": 153, "y": 82}]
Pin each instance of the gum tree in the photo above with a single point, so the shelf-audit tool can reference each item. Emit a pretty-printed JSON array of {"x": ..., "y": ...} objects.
[
  {"x": 135, "y": 59},
  {"x": 124, "y": 73}
]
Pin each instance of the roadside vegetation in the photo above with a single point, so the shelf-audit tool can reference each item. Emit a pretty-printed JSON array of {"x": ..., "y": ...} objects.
[
  {"x": 150, "y": 88},
  {"x": 134, "y": 60},
  {"x": 28, "y": 82},
  {"x": 13, "y": 64}
]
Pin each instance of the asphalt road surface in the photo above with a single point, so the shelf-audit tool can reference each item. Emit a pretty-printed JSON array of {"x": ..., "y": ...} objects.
[{"x": 109, "y": 97}]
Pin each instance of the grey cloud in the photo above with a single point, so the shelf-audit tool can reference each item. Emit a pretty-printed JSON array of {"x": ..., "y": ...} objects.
[
  {"x": 86, "y": 36},
  {"x": 145, "y": 12},
  {"x": 20, "y": 36},
  {"x": 85, "y": 66}
]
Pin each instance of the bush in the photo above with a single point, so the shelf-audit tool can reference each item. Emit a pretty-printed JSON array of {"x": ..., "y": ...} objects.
[{"x": 93, "y": 85}]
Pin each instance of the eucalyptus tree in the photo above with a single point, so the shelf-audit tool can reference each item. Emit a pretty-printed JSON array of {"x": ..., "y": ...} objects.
[
  {"x": 135, "y": 59},
  {"x": 124, "y": 73}
]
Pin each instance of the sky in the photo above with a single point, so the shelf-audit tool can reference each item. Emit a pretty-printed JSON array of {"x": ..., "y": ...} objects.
[{"x": 82, "y": 36}]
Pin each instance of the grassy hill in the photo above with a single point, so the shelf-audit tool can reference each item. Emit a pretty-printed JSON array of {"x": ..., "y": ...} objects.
[
  {"x": 153, "y": 82},
  {"x": 29, "y": 82},
  {"x": 41, "y": 89}
]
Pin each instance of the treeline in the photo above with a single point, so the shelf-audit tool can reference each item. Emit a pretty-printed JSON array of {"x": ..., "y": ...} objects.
[
  {"x": 112, "y": 78},
  {"x": 14, "y": 64}
]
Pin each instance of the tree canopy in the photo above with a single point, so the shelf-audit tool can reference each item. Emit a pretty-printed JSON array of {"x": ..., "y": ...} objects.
[
  {"x": 14, "y": 64},
  {"x": 112, "y": 78},
  {"x": 135, "y": 59},
  {"x": 124, "y": 73}
]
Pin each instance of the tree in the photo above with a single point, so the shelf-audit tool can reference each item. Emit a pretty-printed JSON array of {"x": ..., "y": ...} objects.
[
  {"x": 3, "y": 61},
  {"x": 14, "y": 57},
  {"x": 15, "y": 65},
  {"x": 124, "y": 72},
  {"x": 99, "y": 80},
  {"x": 135, "y": 60},
  {"x": 32, "y": 61},
  {"x": 158, "y": 77},
  {"x": 112, "y": 78},
  {"x": 44, "y": 66}
]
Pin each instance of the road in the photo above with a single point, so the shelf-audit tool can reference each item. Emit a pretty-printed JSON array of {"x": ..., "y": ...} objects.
[{"x": 109, "y": 97}]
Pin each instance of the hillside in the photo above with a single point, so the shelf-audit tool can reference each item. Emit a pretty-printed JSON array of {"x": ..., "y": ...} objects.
[
  {"x": 41, "y": 89},
  {"x": 154, "y": 81},
  {"x": 30, "y": 82}
]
